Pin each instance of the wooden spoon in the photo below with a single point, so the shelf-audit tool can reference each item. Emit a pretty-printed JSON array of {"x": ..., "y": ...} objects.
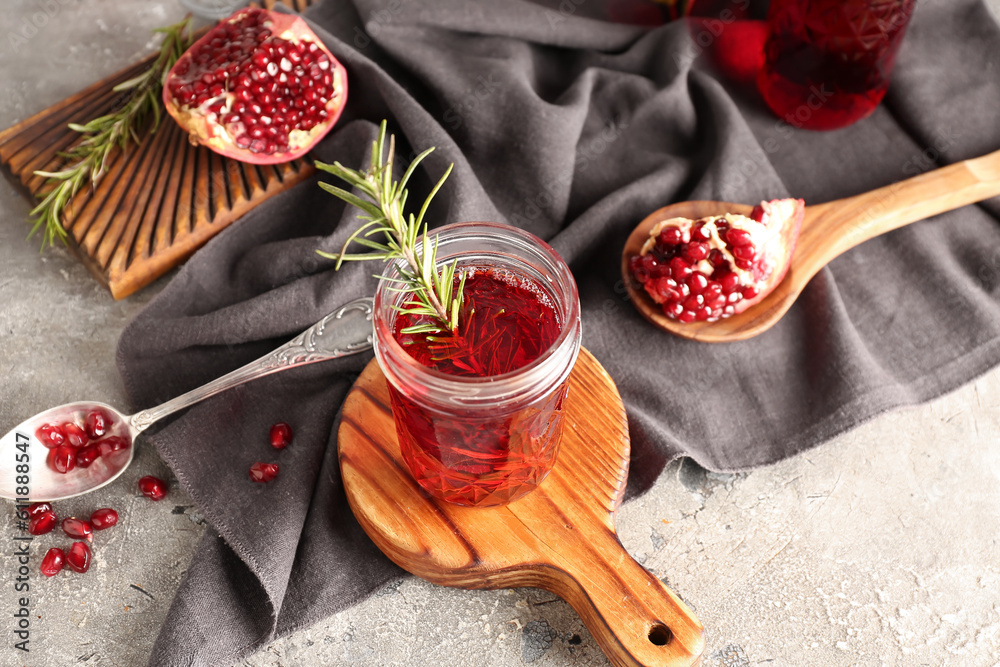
[
  {"x": 560, "y": 537},
  {"x": 827, "y": 231}
]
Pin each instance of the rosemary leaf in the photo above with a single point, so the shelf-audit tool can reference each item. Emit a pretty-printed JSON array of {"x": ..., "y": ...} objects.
[
  {"x": 88, "y": 160},
  {"x": 431, "y": 290}
]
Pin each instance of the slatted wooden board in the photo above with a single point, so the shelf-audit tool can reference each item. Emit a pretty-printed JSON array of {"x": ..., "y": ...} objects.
[{"x": 157, "y": 203}]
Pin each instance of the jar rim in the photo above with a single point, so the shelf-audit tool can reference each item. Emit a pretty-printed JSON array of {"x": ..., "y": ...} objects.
[{"x": 554, "y": 363}]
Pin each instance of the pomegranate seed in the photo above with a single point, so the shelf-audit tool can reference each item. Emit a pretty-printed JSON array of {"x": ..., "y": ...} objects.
[
  {"x": 78, "y": 557},
  {"x": 697, "y": 283},
  {"x": 281, "y": 435},
  {"x": 62, "y": 459},
  {"x": 97, "y": 423},
  {"x": 745, "y": 252},
  {"x": 696, "y": 251},
  {"x": 42, "y": 523},
  {"x": 263, "y": 472},
  {"x": 87, "y": 455},
  {"x": 78, "y": 529},
  {"x": 50, "y": 435},
  {"x": 103, "y": 518},
  {"x": 679, "y": 269},
  {"x": 694, "y": 302},
  {"x": 75, "y": 435},
  {"x": 738, "y": 237},
  {"x": 113, "y": 443},
  {"x": 686, "y": 316},
  {"x": 153, "y": 488},
  {"x": 729, "y": 281},
  {"x": 52, "y": 563},
  {"x": 749, "y": 292},
  {"x": 38, "y": 508}
]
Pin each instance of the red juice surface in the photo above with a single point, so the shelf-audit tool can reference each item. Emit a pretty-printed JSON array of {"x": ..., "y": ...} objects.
[
  {"x": 483, "y": 456},
  {"x": 827, "y": 62}
]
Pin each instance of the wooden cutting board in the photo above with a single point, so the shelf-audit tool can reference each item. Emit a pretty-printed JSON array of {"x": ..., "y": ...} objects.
[
  {"x": 158, "y": 202},
  {"x": 560, "y": 537}
]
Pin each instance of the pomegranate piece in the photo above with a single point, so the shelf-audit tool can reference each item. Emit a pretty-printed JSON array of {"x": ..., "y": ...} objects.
[
  {"x": 97, "y": 423},
  {"x": 103, "y": 518},
  {"x": 715, "y": 267},
  {"x": 263, "y": 472},
  {"x": 281, "y": 435},
  {"x": 153, "y": 488},
  {"x": 42, "y": 523},
  {"x": 78, "y": 557},
  {"x": 87, "y": 455},
  {"x": 259, "y": 87},
  {"x": 52, "y": 563},
  {"x": 75, "y": 435},
  {"x": 62, "y": 459},
  {"x": 78, "y": 529},
  {"x": 50, "y": 435},
  {"x": 35, "y": 509}
]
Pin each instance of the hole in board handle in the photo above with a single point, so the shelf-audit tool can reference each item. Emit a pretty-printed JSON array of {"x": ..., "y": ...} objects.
[{"x": 660, "y": 635}]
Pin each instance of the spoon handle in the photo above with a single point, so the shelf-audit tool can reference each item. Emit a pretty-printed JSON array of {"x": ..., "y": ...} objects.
[
  {"x": 835, "y": 227},
  {"x": 345, "y": 331}
]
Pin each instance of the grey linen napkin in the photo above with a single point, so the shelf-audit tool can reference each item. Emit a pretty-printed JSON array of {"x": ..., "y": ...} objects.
[{"x": 574, "y": 128}]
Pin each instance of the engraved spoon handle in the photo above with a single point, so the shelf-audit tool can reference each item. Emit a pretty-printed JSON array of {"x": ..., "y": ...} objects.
[{"x": 345, "y": 331}]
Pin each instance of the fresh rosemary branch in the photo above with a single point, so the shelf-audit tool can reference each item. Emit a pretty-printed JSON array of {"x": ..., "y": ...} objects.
[
  {"x": 90, "y": 157},
  {"x": 433, "y": 294}
]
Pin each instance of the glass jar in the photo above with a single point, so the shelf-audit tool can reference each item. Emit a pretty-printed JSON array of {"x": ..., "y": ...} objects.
[
  {"x": 827, "y": 62},
  {"x": 486, "y": 440}
]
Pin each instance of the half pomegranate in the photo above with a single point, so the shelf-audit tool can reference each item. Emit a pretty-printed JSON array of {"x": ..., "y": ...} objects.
[
  {"x": 715, "y": 267},
  {"x": 259, "y": 87}
]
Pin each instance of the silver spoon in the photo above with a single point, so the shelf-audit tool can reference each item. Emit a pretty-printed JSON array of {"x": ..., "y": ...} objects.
[{"x": 25, "y": 476}]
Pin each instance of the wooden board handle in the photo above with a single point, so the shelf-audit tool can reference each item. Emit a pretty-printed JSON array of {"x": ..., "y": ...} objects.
[{"x": 636, "y": 620}]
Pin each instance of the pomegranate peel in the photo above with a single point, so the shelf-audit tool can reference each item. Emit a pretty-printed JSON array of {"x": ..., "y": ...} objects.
[
  {"x": 718, "y": 266},
  {"x": 260, "y": 87}
]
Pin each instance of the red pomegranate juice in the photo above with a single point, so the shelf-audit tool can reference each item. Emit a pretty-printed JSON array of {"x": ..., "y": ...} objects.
[
  {"x": 827, "y": 62},
  {"x": 507, "y": 321}
]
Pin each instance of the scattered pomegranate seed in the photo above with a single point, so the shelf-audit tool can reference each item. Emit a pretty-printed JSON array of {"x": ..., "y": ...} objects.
[
  {"x": 97, "y": 423},
  {"x": 281, "y": 435},
  {"x": 104, "y": 518},
  {"x": 75, "y": 435},
  {"x": 50, "y": 435},
  {"x": 62, "y": 459},
  {"x": 35, "y": 509},
  {"x": 78, "y": 557},
  {"x": 153, "y": 488},
  {"x": 263, "y": 472},
  {"x": 53, "y": 562},
  {"x": 42, "y": 523},
  {"x": 87, "y": 455},
  {"x": 78, "y": 529}
]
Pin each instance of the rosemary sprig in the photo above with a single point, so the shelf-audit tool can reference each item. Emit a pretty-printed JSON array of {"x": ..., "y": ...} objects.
[
  {"x": 90, "y": 157},
  {"x": 433, "y": 294}
]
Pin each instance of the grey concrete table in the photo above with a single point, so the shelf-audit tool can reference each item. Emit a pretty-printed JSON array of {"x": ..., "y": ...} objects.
[{"x": 879, "y": 548}]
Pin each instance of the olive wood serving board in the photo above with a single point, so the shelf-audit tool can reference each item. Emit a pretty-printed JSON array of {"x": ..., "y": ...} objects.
[
  {"x": 157, "y": 203},
  {"x": 560, "y": 537}
]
